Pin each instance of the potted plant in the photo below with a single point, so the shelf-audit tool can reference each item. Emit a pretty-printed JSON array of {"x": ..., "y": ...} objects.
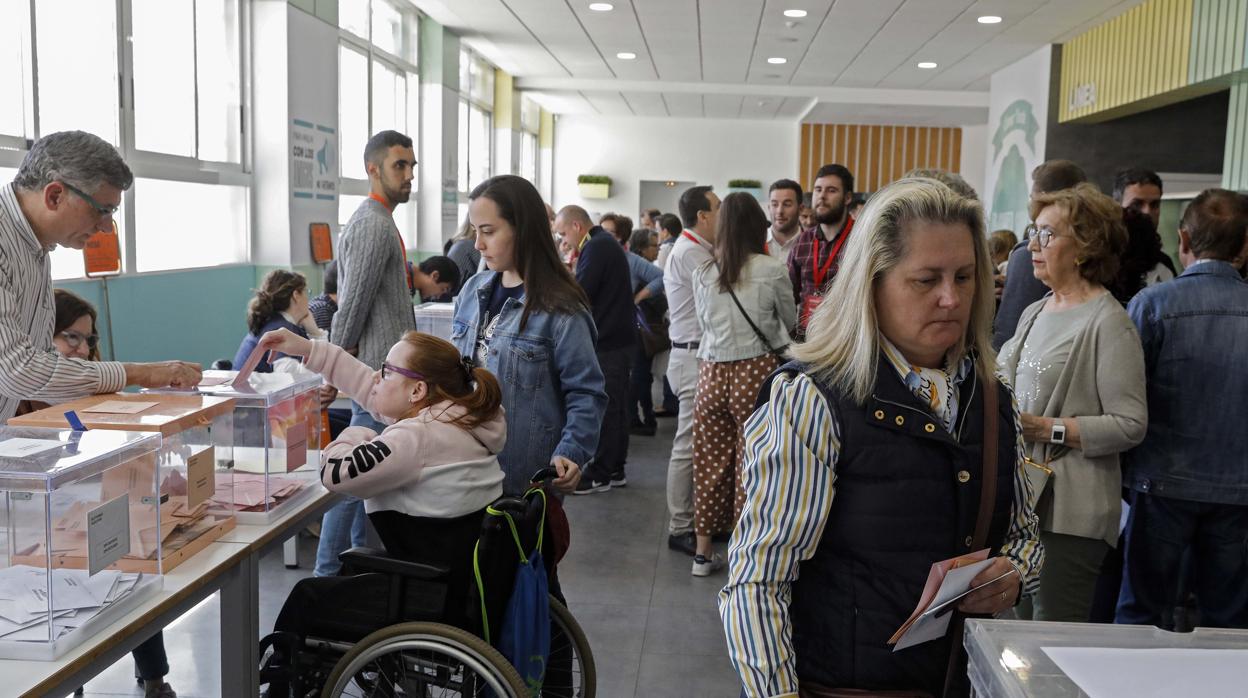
[
  {"x": 749, "y": 186},
  {"x": 594, "y": 186}
]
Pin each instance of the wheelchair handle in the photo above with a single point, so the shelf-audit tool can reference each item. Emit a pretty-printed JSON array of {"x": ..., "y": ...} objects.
[{"x": 543, "y": 474}]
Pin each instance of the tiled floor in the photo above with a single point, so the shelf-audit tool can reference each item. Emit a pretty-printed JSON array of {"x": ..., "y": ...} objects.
[{"x": 654, "y": 628}]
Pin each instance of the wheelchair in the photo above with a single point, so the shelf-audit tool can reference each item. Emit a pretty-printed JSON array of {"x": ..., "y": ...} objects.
[{"x": 390, "y": 626}]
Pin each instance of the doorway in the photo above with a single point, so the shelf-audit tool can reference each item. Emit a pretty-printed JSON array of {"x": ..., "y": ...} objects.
[{"x": 662, "y": 194}]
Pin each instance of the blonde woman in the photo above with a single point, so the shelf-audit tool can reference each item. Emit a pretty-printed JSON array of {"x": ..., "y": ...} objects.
[{"x": 888, "y": 405}]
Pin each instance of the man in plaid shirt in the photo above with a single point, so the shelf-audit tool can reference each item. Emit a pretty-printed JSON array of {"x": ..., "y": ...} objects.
[{"x": 817, "y": 254}]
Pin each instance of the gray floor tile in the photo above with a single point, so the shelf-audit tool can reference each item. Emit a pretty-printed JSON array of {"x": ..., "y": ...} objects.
[
  {"x": 686, "y": 676},
  {"x": 692, "y": 630}
]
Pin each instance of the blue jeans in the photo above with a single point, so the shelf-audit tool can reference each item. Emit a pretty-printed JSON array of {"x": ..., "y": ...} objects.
[
  {"x": 1159, "y": 531},
  {"x": 343, "y": 526}
]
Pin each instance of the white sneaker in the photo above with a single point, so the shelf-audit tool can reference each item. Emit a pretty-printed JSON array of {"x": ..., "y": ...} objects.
[{"x": 705, "y": 567}]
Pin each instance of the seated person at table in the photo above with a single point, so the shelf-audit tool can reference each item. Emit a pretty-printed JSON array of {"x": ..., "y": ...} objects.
[
  {"x": 280, "y": 303},
  {"x": 431, "y": 472},
  {"x": 76, "y": 337}
]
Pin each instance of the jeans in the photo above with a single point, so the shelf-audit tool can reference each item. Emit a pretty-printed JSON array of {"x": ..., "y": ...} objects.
[
  {"x": 343, "y": 526},
  {"x": 1159, "y": 530},
  {"x": 639, "y": 396},
  {"x": 682, "y": 371},
  {"x": 613, "y": 438},
  {"x": 150, "y": 662}
]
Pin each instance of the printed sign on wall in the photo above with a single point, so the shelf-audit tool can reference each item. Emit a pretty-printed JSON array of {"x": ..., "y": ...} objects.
[
  {"x": 313, "y": 161},
  {"x": 1018, "y": 119}
]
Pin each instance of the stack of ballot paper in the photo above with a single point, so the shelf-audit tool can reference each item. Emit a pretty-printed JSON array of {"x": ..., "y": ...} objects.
[
  {"x": 948, "y": 582},
  {"x": 248, "y": 491},
  {"x": 75, "y": 598}
]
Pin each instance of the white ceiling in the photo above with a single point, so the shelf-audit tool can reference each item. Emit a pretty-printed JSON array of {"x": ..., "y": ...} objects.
[{"x": 848, "y": 60}]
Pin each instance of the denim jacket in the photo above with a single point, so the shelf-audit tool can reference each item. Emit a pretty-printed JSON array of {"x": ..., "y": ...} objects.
[
  {"x": 1195, "y": 335},
  {"x": 553, "y": 390}
]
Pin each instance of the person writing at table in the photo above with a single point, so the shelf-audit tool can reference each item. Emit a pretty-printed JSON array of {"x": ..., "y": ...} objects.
[{"x": 68, "y": 188}]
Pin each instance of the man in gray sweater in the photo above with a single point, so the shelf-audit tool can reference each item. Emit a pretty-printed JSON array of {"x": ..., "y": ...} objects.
[{"x": 374, "y": 305}]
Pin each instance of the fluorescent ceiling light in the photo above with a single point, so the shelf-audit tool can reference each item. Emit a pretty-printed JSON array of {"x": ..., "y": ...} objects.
[
  {"x": 776, "y": 60},
  {"x": 626, "y": 55},
  {"x": 601, "y": 6},
  {"x": 927, "y": 65},
  {"x": 796, "y": 14},
  {"x": 989, "y": 19}
]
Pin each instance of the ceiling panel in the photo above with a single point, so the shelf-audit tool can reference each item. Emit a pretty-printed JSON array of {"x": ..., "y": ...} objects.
[
  {"x": 646, "y": 103},
  {"x": 722, "y": 106},
  {"x": 683, "y": 104},
  {"x": 609, "y": 103},
  {"x": 671, "y": 31},
  {"x": 558, "y": 29}
]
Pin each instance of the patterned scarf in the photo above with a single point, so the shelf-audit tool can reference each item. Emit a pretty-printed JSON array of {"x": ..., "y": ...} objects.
[{"x": 936, "y": 388}]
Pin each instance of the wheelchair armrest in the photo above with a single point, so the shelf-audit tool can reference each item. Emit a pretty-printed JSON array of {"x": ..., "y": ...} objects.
[{"x": 372, "y": 560}]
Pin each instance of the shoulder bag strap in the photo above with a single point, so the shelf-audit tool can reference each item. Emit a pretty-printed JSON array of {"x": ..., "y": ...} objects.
[{"x": 757, "y": 332}]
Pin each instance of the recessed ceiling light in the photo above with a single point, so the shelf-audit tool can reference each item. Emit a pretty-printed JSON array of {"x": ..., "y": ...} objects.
[
  {"x": 776, "y": 60},
  {"x": 796, "y": 14},
  {"x": 626, "y": 55},
  {"x": 927, "y": 65},
  {"x": 601, "y": 6},
  {"x": 989, "y": 19}
]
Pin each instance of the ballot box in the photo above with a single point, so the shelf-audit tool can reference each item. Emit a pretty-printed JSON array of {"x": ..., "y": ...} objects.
[
  {"x": 277, "y": 438},
  {"x": 192, "y": 473},
  {"x": 435, "y": 319},
  {"x": 73, "y": 523},
  {"x": 1017, "y": 659}
]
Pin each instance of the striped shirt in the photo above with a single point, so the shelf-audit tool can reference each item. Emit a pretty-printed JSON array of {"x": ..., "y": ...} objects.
[
  {"x": 30, "y": 367},
  {"x": 788, "y": 473}
]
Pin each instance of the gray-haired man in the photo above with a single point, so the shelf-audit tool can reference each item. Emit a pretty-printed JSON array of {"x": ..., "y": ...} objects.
[{"x": 67, "y": 189}]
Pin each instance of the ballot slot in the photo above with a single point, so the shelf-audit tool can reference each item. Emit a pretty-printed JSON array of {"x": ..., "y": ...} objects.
[
  {"x": 73, "y": 531},
  {"x": 277, "y": 434},
  {"x": 182, "y": 494}
]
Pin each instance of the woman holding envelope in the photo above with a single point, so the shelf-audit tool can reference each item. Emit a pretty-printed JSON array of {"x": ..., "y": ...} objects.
[{"x": 886, "y": 447}]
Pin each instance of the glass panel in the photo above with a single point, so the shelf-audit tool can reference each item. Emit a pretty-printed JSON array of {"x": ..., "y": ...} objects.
[
  {"x": 353, "y": 16},
  {"x": 164, "y": 76},
  {"x": 484, "y": 91},
  {"x": 347, "y": 204},
  {"x": 528, "y": 157},
  {"x": 478, "y": 145},
  {"x": 387, "y": 28},
  {"x": 77, "y": 87},
  {"x": 352, "y": 111},
  {"x": 412, "y": 46},
  {"x": 220, "y": 92},
  {"x": 16, "y": 110},
  {"x": 463, "y": 147},
  {"x": 167, "y": 238},
  {"x": 413, "y": 122},
  {"x": 465, "y": 84},
  {"x": 389, "y": 99}
]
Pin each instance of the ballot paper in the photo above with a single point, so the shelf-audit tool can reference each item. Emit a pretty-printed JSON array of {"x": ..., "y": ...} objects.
[
  {"x": 947, "y": 582},
  {"x": 24, "y": 448},
  {"x": 119, "y": 407},
  {"x": 75, "y": 598},
  {"x": 1113, "y": 672}
]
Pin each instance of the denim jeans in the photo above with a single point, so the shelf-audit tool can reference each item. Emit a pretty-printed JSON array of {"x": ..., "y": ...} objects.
[
  {"x": 150, "y": 662},
  {"x": 1159, "y": 530},
  {"x": 343, "y": 526}
]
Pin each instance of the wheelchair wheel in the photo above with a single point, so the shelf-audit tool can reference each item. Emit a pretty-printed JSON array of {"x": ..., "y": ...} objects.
[
  {"x": 423, "y": 660},
  {"x": 571, "y": 672}
]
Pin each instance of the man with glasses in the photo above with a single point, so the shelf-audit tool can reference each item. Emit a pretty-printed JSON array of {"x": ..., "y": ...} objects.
[{"x": 67, "y": 189}]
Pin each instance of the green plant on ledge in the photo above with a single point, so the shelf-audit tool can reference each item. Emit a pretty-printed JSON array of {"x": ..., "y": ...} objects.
[
  {"x": 593, "y": 179},
  {"x": 744, "y": 184}
]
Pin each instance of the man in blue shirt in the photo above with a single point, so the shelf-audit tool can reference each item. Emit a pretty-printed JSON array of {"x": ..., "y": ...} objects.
[
  {"x": 1189, "y": 486},
  {"x": 601, "y": 269}
]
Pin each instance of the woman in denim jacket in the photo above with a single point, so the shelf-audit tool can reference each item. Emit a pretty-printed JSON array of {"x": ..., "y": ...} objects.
[{"x": 527, "y": 321}]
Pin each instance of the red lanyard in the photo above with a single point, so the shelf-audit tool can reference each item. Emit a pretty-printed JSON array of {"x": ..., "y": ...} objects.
[
  {"x": 822, "y": 272},
  {"x": 402, "y": 245},
  {"x": 689, "y": 236}
]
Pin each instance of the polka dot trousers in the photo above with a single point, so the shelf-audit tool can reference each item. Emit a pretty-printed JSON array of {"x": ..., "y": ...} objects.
[{"x": 726, "y": 394}]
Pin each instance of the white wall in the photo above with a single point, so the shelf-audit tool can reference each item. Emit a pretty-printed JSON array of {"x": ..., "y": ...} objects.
[
  {"x": 631, "y": 149},
  {"x": 974, "y": 147}
]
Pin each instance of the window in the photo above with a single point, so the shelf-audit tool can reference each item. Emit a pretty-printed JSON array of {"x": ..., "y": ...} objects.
[
  {"x": 165, "y": 235},
  {"x": 476, "y": 120},
  {"x": 352, "y": 110},
  {"x": 77, "y": 88},
  {"x": 16, "y": 107},
  {"x": 530, "y": 126}
]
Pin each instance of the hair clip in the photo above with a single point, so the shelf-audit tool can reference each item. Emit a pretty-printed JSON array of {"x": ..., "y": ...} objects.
[{"x": 466, "y": 363}]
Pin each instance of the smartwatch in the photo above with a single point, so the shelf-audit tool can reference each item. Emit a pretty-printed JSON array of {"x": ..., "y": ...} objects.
[{"x": 1058, "y": 435}]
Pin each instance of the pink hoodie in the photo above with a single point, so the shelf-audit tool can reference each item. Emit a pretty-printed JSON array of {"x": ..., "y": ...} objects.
[{"x": 420, "y": 466}]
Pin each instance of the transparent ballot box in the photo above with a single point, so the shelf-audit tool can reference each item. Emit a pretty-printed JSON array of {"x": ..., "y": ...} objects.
[
  {"x": 193, "y": 471},
  {"x": 76, "y": 529},
  {"x": 435, "y": 319},
  {"x": 277, "y": 439},
  {"x": 1026, "y": 659}
]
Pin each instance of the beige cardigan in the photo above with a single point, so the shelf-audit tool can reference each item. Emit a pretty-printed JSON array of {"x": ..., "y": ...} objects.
[{"x": 1103, "y": 387}]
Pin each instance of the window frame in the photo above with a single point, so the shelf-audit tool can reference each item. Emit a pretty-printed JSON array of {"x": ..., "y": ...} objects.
[{"x": 468, "y": 97}]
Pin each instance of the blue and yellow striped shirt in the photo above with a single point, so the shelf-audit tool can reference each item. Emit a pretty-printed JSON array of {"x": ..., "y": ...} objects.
[{"x": 788, "y": 472}]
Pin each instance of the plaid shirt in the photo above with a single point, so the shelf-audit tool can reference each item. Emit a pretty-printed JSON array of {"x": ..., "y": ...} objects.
[{"x": 801, "y": 270}]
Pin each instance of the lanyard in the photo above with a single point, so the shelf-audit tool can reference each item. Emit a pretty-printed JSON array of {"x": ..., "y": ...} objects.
[
  {"x": 402, "y": 245},
  {"x": 820, "y": 272},
  {"x": 690, "y": 237}
]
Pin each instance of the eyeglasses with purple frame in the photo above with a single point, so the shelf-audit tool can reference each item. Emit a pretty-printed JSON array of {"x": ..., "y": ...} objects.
[{"x": 387, "y": 368}]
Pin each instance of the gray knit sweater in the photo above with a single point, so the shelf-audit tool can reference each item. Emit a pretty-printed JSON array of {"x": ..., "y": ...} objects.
[{"x": 374, "y": 305}]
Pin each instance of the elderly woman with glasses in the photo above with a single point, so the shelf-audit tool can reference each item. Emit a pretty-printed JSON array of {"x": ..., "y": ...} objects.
[
  {"x": 887, "y": 446},
  {"x": 1077, "y": 366}
]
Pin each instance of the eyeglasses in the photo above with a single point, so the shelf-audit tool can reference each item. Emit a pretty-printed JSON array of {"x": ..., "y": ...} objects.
[
  {"x": 1043, "y": 235},
  {"x": 100, "y": 209},
  {"x": 75, "y": 339},
  {"x": 387, "y": 368}
]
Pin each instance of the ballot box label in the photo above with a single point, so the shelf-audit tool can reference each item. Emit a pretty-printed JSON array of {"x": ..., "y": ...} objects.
[
  {"x": 108, "y": 533},
  {"x": 201, "y": 476}
]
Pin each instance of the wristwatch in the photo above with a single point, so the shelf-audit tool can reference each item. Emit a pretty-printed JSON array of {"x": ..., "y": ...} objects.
[{"x": 1058, "y": 435}]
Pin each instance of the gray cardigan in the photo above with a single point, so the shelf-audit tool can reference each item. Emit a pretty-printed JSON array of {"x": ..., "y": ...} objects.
[
  {"x": 374, "y": 305},
  {"x": 1102, "y": 386}
]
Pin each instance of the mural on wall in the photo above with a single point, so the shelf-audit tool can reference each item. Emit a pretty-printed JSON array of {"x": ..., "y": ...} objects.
[{"x": 1018, "y": 111}]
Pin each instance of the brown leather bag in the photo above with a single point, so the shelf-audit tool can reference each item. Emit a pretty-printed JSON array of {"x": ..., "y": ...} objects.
[{"x": 987, "y": 495}]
